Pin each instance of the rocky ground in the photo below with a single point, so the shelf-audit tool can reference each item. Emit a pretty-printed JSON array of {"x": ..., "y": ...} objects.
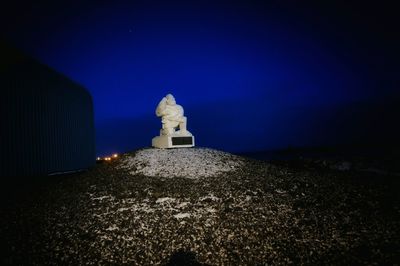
[{"x": 216, "y": 209}]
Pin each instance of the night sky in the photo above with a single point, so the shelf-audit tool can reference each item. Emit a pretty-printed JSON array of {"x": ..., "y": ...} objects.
[{"x": 251, "y": 75}]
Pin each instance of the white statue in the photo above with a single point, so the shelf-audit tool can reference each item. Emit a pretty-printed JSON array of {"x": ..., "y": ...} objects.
[{"x": 172, "y": 118}]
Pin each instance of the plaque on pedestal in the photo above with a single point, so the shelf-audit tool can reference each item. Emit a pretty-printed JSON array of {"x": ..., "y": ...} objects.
[{"x": 165, "y": 142}]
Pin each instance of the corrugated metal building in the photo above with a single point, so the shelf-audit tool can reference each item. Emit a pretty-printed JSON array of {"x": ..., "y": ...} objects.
[{"x": 46, "y": 120}]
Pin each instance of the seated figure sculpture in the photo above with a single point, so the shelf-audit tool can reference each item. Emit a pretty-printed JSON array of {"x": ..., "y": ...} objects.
[{"x": 172, "y": 118}]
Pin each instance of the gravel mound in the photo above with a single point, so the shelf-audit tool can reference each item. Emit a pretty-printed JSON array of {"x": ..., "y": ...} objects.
[
  {"x": 260, "y": 214},
  {"x": 184, "y": 162}
]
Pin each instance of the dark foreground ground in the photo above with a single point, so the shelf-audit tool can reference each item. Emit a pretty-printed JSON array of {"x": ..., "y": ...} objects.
[{"x": 264, "y": 213}]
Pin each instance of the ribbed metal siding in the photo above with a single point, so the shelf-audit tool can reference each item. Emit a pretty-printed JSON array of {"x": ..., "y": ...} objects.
[{"x": 46, "y": 121}]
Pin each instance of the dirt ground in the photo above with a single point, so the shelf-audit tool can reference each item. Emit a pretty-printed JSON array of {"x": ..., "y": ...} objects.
[{"x": 261, "y": 213}]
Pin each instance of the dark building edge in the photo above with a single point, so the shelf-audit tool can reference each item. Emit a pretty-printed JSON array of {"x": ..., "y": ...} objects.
[{"x": 47, "y": 119}]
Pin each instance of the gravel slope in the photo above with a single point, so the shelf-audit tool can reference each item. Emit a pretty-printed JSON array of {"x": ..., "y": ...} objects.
[
  {"x": 184, "y": 162},
  {"x": 251, "y": 213}
]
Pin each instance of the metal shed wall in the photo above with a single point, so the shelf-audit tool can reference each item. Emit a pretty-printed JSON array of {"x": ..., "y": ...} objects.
[{"x": 46, "y": 120}]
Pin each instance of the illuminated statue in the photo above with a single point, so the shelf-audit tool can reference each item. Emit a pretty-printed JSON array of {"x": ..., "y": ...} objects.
[{"x": 172, "y": 118}]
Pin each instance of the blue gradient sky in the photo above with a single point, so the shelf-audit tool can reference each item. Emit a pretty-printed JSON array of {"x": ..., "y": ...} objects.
[{"x": 250, "y": 75}]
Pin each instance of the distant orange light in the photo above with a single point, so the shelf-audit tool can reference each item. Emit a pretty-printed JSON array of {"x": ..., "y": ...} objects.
[
  {"x": 115, "y": 155},
  {"x": 107, "y": 159}
]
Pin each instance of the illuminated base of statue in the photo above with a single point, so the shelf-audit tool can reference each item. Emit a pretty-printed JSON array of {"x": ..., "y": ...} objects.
[{"x": 173, "y": 141}]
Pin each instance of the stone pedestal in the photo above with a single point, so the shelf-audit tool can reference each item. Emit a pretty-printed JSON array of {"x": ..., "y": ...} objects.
[{"x": 173, "y": 141}]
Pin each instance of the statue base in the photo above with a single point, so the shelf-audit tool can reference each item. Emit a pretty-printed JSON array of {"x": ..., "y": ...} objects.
[{"x": 173, "y": 141}]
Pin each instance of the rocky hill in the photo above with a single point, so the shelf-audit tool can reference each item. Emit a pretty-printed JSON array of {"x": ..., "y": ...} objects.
[{"x": 200, "y": 206}]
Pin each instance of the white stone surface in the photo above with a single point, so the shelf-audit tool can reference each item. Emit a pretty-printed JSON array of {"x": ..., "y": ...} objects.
[
  {"x": 165, "y": 199},
  {"x": 172, "y": 118},
  {"x": 165, "y": 142},
  {"x": 186, "y": 162},
  {"x": 182, "y": 215}
]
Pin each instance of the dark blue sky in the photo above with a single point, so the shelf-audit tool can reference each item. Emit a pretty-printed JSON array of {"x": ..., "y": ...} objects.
[{"x": 251, "y": 75}]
